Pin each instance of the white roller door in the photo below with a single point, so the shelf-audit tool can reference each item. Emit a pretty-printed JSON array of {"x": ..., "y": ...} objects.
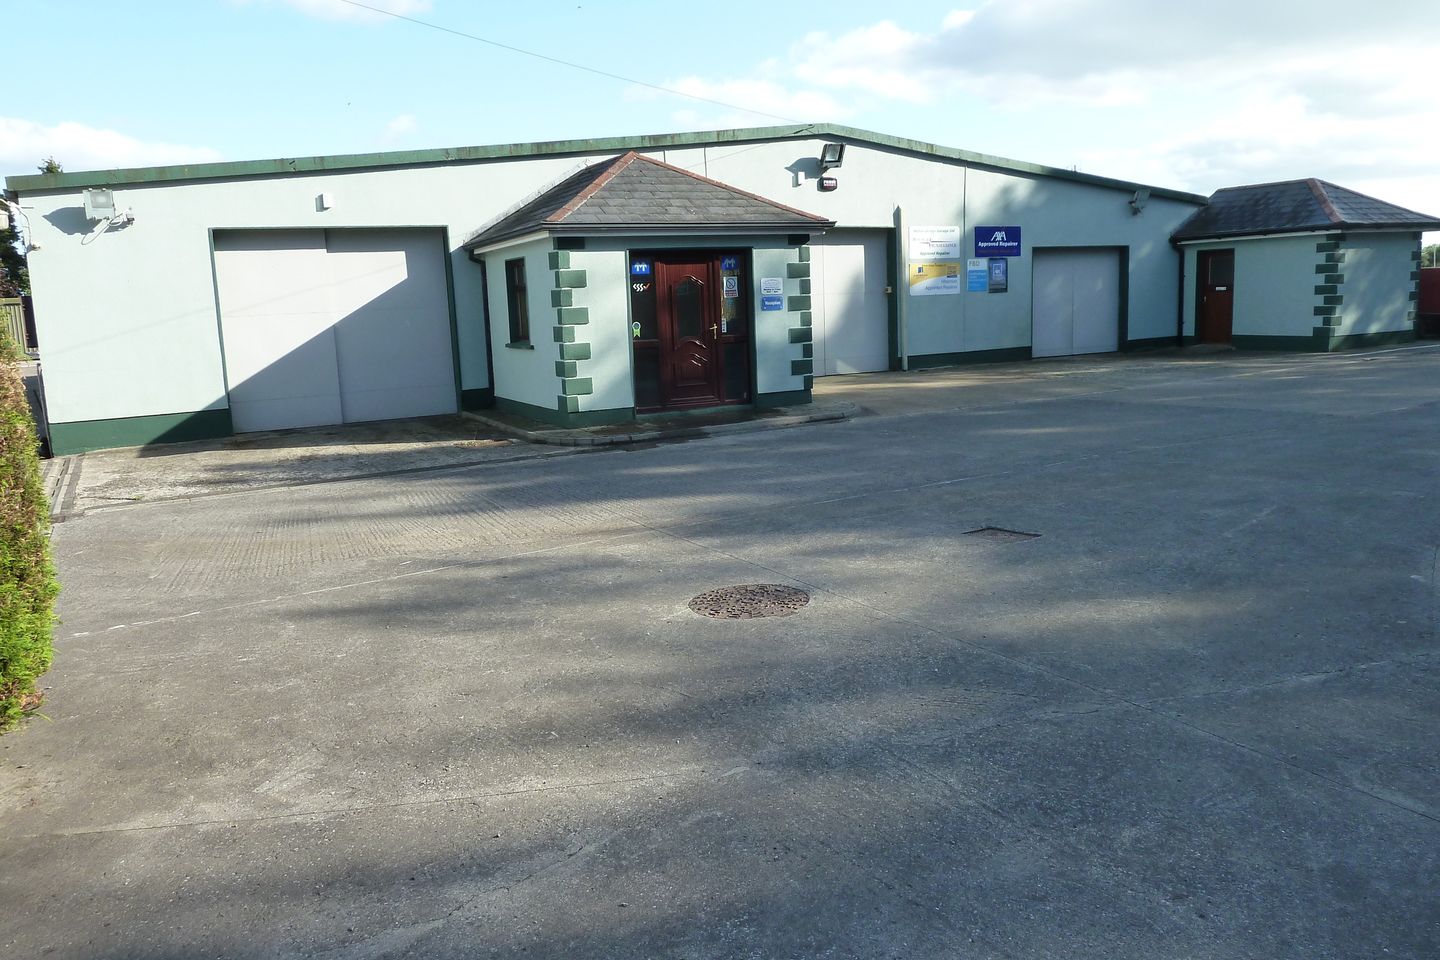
[
  {"x": 851, "y": 311},
  {"x": 337, "y": 326},
  {"x": 1076, "y": 302}
]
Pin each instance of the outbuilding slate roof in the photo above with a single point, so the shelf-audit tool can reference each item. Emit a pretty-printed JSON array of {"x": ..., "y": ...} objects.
[
  {"x": 636, "y": 192},
  {"x": 1295, "y": 206}
]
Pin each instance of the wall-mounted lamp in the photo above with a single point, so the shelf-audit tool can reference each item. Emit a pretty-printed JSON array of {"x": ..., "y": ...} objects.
[
  {"x": 831, "y": 156},
  {"x": 1137, "y": 202},
  {"x": 99, "y": 204}
]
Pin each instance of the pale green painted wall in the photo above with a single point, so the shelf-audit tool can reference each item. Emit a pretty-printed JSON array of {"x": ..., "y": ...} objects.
[
  {"x": 1377, "y": 282},
  {"x": 607, "y": 295},
  {"x": 1274, "y": 285},
  {"x": 524, "y": 375}
]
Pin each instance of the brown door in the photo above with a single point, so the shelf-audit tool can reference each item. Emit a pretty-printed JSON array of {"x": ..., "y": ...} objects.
[
  {"x": 1217, "y": 295},
  {"x": 689, "y": 321}
]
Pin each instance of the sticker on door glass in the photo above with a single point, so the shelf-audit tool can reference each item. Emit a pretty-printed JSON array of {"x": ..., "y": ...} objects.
[
  {"x": 729, "y": 263},
  {"x": 640, "y": 268},
  {"x": 732, "y": 286}
]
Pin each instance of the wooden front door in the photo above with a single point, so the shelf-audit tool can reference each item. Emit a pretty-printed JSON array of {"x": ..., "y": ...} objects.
[
  {"x": 689, "y": 332},
  {"x": 1217, "y": 296},
  {"x": 690, "y": 329}
]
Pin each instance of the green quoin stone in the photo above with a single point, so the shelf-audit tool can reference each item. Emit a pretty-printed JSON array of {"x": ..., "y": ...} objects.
[
  {"x": 806, "y": 318},
  {"x": 1333, "y": 321},
  {"x": 807, "y": 350},
  {"x": 1325, "y": 288},
  {"x": 571, "y": 316},
  {"x": 1325, "y": 311},
  {"x": 562, "y": 298},
  {"x": 1327, "y": 246},
  {"x": 565, "y": 369},
  {"x": 804, "y": 253},
  {"x": 794, "y": 270},
  {"x": 797, "y": 303},
  {"x": 801, "y": 335},
  {"x": 577, "y": 387},
  {"x": 799, "y": 367},
  {"x": 564, "y": 334},
  {"x": 1337, "y": 256},
  {"x": 805, "y": 286},
  {"x": 574, "y": 351},
  {"x": 569, "y": 278},
  {"x": 1327, "y": 268},
  {"x": 1333, "y": 300},
  {"x": 567, "y": 404},
  {"x": 559, "y": 259}
]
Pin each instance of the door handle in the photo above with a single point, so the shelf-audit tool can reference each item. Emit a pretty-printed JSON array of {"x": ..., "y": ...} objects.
[{"x": 714, "y": 330}]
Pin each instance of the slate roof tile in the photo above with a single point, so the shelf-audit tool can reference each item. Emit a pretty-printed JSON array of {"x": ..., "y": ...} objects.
[
  {"x": 1294, "y": 206},
  {"x": 636, "y": 191}
]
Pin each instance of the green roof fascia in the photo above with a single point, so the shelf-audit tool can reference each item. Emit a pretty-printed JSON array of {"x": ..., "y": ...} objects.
[{"x": 514, "y": 151}]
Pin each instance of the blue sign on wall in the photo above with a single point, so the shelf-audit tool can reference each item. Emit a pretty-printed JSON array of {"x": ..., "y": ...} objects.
[
  {"x": 772, "y": 303},
  {"x": 729, "y": 263},
  {"x": 997, "y": 241},
  {"x": 640, "y": 268}
]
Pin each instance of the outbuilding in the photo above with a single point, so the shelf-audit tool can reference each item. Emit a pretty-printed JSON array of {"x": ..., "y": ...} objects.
[
  {"x": 1300, "y": 265},
  {"x": 582, "y": 281}
]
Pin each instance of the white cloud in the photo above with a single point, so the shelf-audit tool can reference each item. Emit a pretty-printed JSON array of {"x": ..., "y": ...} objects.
[
  {"x": 24, "y": 143},
  {"x": 730, "y": 97},
  {"x": 1194, "y": 96},
  {"x": 400, "y": 128},
  {"x": 338, "y": 10}
]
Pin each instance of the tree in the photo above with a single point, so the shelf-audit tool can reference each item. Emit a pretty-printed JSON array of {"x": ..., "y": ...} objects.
[
  {"x": 1430, "y": 256},
  {"x": 14, "y": 278},
  {"x": 50, "y": 165}
]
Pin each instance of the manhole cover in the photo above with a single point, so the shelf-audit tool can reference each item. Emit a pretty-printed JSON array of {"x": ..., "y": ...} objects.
[
  {"x": 1000, "y": 534},
  {"x": 750, "y": 600}
]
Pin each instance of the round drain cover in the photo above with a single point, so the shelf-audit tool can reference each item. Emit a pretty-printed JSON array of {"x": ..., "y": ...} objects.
[{"x": 750, "y": 600}]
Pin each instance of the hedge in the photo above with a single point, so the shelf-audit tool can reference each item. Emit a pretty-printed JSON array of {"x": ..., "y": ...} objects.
[{"x": 27, "y": 575}]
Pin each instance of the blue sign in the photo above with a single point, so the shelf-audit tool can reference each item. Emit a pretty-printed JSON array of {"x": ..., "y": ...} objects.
[
  {"x": 975, "y": 279},
  {"x": 729, "y": 263},
  {"x": 772, "y": 303},
  {"x": 997, "y": 241},
  {"x": 640, "y": 268}
]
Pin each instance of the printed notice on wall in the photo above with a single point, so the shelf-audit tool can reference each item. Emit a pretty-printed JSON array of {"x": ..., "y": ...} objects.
[
  {"x": 934, "y": 279},
  {"x": 934, "y": 243},
  {"x": 772, "y": 286},
  {"x": 975, "y": 275}
]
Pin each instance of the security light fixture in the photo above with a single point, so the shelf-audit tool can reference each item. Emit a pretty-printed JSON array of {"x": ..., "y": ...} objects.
[
  {"x": 99, "y": 205},
  {"x": 831, "y": 156},
  {"x": 1137, "y": 202}
]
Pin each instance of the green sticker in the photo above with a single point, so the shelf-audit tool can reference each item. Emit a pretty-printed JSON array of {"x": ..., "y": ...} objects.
[{"x": 635, "y": 329}]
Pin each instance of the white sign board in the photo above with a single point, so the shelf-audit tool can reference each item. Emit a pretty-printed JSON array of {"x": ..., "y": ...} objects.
[
  {"x": 772, "y": 286},
  {"x": 934, "y": 243}
]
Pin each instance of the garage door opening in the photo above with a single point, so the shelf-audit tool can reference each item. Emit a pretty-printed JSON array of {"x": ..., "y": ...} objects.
[
  {"x": 852, "y": 308},
  {"x": 1076, "y": 302},
  {"x": 334, "y": 326}
]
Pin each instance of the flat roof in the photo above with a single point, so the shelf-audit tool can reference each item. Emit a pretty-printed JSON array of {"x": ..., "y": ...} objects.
[{"x": 227, "y": 170}]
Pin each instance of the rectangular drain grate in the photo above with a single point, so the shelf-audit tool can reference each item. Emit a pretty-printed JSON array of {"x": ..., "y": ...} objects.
[{"x": 1000, "y": 534}]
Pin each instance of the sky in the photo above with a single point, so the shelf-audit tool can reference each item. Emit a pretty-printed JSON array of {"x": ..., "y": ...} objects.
[{"x": 1190, "y": 96}]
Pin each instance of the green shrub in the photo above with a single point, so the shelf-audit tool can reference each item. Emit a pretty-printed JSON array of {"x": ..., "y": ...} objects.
[{"x": 27, "y": 576}]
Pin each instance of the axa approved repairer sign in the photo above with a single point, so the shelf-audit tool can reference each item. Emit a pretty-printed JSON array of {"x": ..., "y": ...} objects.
[{"x": 997, "y": 241}]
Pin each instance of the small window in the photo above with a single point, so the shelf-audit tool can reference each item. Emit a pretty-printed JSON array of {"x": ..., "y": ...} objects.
[{"x": 515, "y": 294}]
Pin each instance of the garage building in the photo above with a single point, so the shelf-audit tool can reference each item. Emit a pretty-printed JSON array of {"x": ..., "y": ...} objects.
[
  {"x": 1301, "y": 265},
  {"x": 197, "y": 301}
]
